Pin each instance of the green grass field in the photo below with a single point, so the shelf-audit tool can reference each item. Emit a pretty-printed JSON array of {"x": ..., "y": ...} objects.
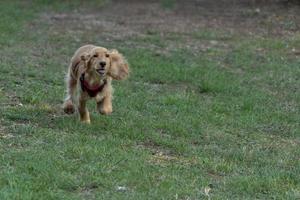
[{"x": 222, "y": 122}]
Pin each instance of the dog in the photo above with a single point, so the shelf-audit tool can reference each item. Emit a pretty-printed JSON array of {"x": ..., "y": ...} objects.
[{"x": 90, "y": 76}]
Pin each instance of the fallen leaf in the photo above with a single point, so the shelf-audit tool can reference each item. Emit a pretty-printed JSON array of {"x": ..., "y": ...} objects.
[
  {"x": 207, "y": 190},
  {"x": 121, "y": 188}
]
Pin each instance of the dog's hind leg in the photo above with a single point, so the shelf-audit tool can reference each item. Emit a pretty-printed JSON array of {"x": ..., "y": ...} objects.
[{"x": 68, "y": 105}]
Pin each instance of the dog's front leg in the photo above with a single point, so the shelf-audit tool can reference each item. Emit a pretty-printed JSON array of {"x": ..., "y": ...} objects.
[
  {"x": 104, "y": 106},
  {"x": 83, "y": 112}
]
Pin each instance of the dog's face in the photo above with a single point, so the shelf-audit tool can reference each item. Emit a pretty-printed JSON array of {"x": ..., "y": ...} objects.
[
  {"x": 99, "y": 61},
  {"x": 104, "y": 62}
]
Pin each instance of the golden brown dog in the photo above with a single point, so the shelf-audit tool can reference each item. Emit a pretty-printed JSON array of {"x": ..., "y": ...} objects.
[{"x": 89, "y": 76}]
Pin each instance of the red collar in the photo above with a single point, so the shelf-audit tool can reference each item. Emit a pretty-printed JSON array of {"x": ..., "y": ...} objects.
[{"x": 92, "y": 91}]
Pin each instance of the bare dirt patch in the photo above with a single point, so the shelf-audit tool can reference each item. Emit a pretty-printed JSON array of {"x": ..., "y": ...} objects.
[
  {"x": 3, "y": 133},
  {"x": 192, "y": 15},
  {"x": 126, "y": 20}
]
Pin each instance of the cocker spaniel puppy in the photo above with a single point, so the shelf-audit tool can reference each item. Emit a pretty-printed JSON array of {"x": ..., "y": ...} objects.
[{"x": 90, "y": 74}]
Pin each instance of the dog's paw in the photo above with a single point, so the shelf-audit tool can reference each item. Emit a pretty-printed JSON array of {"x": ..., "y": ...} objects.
[
  {"x": 86, "y": 121},
  {"x": 69, "y": 107},
  {"x": 105, "y": 110}
]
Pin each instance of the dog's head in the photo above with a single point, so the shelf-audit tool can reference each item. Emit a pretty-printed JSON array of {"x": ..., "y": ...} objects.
[{"x": 106, "y": 63}]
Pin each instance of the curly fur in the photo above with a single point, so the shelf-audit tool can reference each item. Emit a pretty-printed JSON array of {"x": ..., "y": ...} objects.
[{"x": 88, "y": 60}]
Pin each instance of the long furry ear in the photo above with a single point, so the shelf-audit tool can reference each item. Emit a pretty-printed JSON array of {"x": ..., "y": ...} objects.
[
  {"x": 85, "y": 57},
  {"x": 119, "y": 68},
  {"x": 78, "y": 61}
]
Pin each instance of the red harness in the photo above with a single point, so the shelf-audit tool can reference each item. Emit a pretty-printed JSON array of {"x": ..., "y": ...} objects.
[{"x": 92, "y": 91}]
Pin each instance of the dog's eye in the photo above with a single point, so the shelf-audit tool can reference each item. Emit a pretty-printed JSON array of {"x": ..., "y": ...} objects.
[
  {"x": 95, "y": 55},
  {"x": 107, "y": 55}
]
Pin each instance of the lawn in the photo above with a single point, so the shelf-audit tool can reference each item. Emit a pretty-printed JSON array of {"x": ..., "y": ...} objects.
[{"x": 211, "y": 109}]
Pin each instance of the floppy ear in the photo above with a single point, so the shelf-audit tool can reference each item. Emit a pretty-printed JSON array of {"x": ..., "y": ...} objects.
[
  {"x": 119, "y": 68},
  {"x": 85, "y": 57}
]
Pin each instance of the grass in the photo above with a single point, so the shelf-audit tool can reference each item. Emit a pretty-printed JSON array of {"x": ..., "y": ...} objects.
[
  {"x": 226, "y": 119},
  {"x": 167, "y": 4}
]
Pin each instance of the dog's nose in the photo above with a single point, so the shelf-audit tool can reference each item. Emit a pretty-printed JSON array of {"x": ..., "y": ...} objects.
[{"x": 102, "y": 64}]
